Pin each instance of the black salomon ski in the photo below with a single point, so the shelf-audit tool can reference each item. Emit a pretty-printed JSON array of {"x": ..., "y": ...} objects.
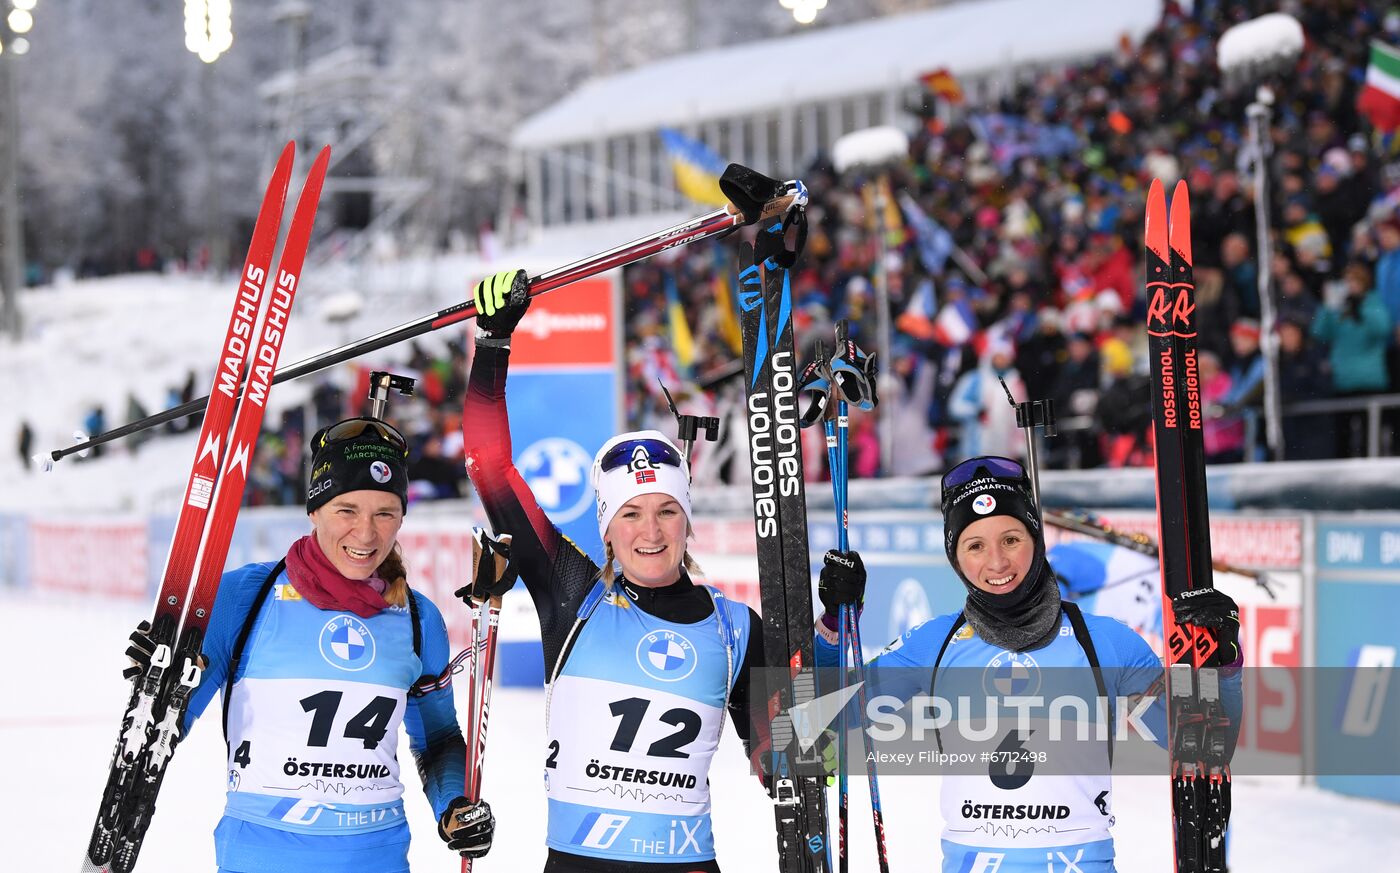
[
  {"x": 1197, "y": 726},
  {"x": 796, "y": 781}
]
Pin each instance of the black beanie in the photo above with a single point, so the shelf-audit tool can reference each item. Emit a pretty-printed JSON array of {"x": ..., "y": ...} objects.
[
  {"x": 366, "y": 462},
  {"x": 983, "y": 496}
]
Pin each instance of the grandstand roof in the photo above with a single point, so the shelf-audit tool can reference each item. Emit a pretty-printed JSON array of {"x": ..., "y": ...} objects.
[{"x": 968, "y": 38}]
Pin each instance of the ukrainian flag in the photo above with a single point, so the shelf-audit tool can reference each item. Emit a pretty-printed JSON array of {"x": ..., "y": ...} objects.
[
  {"x": 682, "y": 343},
  {"x": 696, "y": 168},
  {"x": 728, "y": 326}
]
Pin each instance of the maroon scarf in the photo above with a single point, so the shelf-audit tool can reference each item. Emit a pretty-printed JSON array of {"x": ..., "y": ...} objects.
[{"x": 317, "y": 579}]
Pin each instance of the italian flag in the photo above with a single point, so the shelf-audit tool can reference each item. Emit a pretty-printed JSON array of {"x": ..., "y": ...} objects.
[{"x": 1380, "y": 98}]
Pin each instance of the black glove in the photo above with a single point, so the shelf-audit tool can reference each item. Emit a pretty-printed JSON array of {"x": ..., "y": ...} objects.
[
  {"x": 842, "y": 580},
  {"x": 139, "y": 650},
  {"x": 501, "y": 301},
  {"x": 495, "y": 573},
  {"x": 467, "y": 827},
  {"x": 1213, "y": 609},
  {"x": 773, "y": 238}
]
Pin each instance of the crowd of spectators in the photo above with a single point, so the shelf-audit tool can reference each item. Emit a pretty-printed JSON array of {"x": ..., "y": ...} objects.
[
  {"x": 430, "y": 420},
  {"x": 1013, "y": 236},
  {"x": 1041, "y": 196}
]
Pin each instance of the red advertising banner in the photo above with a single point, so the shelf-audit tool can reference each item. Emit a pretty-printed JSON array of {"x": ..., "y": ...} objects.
[
  {"x": 570, "y": 326},
  {"x": 108, "y": 558},
  {"x": 1255, "y": 543},
  {"x": 440, "y": 562},
  {"x": 1272, "y": 639}
]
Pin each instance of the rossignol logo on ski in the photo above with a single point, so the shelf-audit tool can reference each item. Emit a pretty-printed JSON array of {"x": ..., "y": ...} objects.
[
  {"x": 1170, "y": 317},
  {"x": 1167, "y": 391},
  {"x": 1192, "y": 379}
]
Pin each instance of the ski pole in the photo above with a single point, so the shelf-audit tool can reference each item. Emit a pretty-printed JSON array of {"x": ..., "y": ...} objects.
[
  {"x": 479, "y": 698},
  {"x": 843, "y": 370},
  {"x": 817, "y": 384},
  {"x": 482, "y": 646},
  {"x": 753, "y": 197}
]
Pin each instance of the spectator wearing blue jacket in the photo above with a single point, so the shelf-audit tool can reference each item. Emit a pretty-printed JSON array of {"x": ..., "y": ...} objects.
[{"x": 1357, "y": 332}]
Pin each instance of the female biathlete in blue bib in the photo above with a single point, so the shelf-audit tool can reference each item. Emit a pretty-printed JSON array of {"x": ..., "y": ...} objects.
[
  {"x": 1012, "y": 633},
  {"x": 644, "y": 664},
  {"x": 316, "y": 656}
]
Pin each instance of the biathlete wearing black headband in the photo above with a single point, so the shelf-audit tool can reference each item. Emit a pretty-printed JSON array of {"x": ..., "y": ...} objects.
[
  {"x": 1015, "y": 629},
  {"x": 644, "y": 663},
  {"x": 316, "y": 657}
]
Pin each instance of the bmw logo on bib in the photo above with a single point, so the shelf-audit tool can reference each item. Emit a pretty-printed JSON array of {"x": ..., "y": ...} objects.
[
  {"x": 347, "y": 644},
  {"x": 1012, "y": 674},
  {"x": 666, "y": 656}
]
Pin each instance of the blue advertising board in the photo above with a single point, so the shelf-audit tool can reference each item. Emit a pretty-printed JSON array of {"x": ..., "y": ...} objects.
[
  {"x": 1358, "y": 640},
  {"x": 558, "y": 419}
]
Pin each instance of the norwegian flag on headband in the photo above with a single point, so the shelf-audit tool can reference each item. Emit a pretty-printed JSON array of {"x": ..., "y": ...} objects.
[{"x": 645, "y": 477}]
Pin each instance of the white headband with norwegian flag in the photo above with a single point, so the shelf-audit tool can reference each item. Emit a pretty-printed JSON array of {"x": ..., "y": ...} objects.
[{"x": 640, "y": 476}]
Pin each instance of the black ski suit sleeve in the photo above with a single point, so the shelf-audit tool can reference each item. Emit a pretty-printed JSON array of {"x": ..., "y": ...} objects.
[{"x": 556, "y": 572}]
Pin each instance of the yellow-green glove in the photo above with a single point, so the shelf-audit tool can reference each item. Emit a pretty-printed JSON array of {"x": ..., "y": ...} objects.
[{"x": 501, "y": 301}]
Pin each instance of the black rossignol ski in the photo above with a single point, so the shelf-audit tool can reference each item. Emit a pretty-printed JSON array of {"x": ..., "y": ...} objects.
[
  {"x": 797, "y": 785},
  {"x": 151, "y": 723},
  {"x": 1200, "y": 775}
]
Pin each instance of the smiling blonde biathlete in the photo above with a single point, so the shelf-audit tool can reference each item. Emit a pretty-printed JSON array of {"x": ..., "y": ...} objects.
[
  {"x": 645, "y": 665},
  {"x": 1012, "y": 633}
]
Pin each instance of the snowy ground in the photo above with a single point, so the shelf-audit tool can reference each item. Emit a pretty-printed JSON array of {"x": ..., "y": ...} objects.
[{"x": 60, "y": 716}]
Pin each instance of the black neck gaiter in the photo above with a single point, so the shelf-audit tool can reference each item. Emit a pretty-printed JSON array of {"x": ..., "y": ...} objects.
[{"x": 1025, "y": 619}]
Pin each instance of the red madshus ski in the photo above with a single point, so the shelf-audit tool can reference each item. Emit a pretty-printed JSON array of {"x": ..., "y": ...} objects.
[
  {"x": 263, "y": 344},
  {"x": 780, "y": 522},
  {"x": 1199, "y": 775},
  {"x": 139, "y": 718}
]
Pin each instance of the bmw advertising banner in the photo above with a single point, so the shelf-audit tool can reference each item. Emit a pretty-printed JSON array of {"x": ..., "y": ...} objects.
[
  {"x": 1358, "y": 638},
  {"x": 565, "y": 399}
]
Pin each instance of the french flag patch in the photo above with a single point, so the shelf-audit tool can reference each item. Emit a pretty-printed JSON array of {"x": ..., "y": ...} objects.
[{"x": 646, "y": 476}]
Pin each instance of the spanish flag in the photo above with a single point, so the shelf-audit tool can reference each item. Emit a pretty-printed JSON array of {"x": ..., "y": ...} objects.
[
  {"x": 944, "y": 84},
  {"x": 696, "y": 168}
]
